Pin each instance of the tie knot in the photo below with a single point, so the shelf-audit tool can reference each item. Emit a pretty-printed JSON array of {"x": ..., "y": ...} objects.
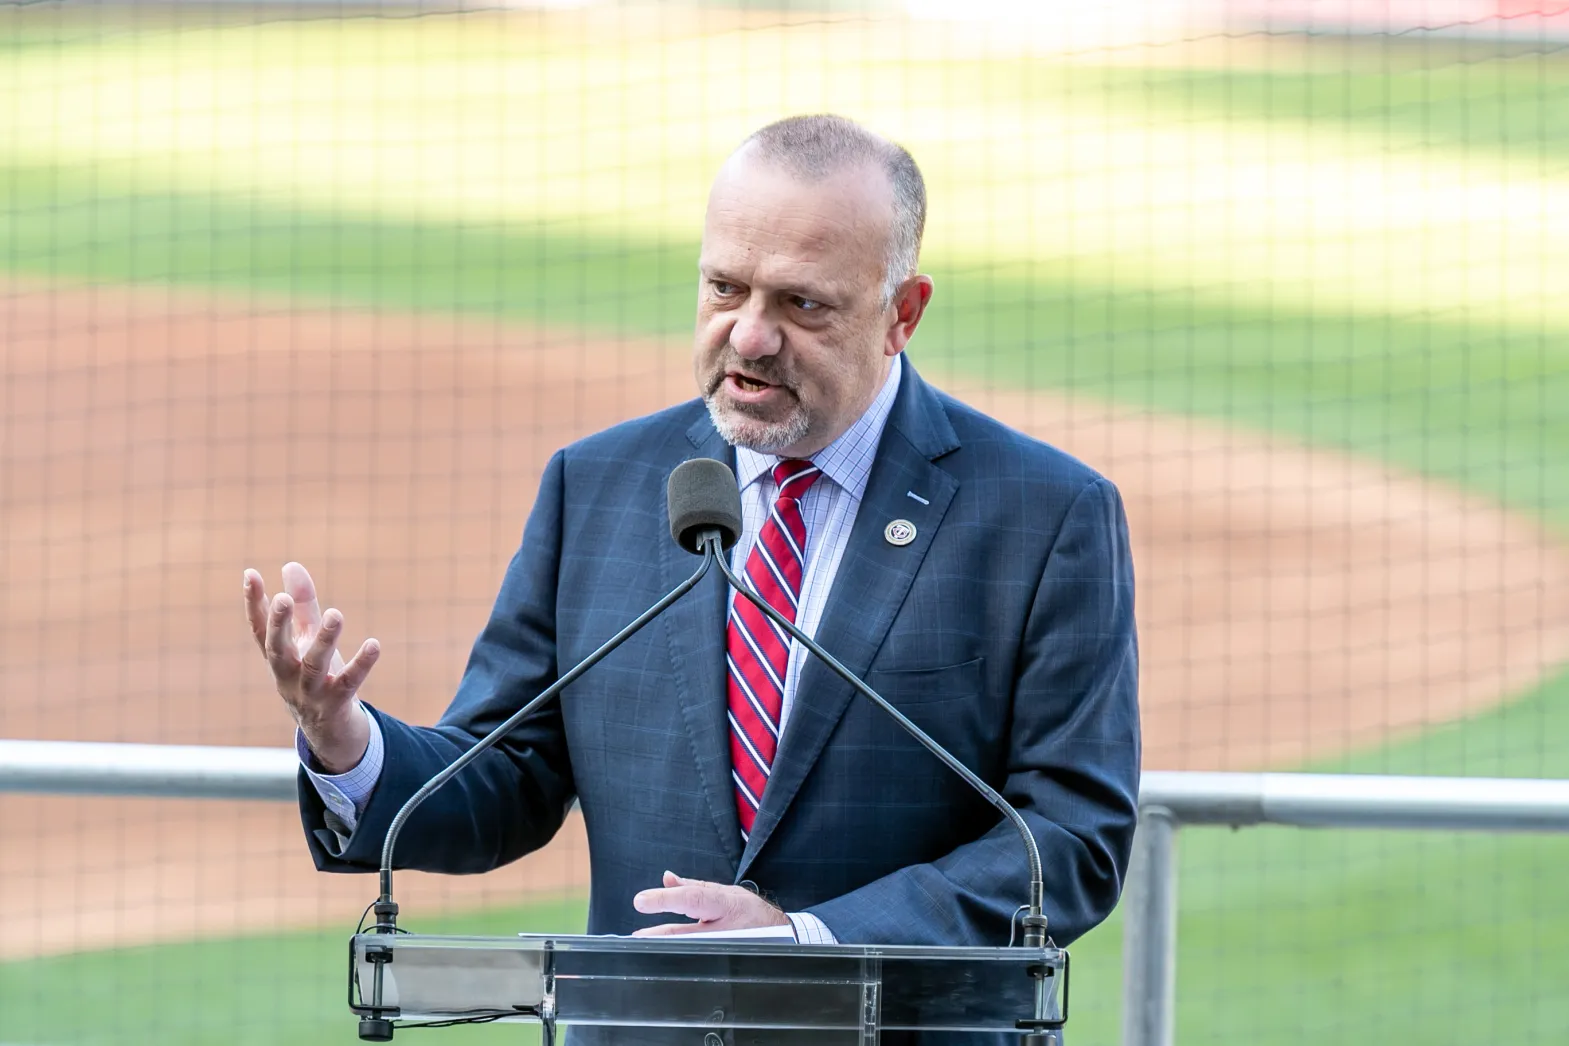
[{"x": 795, "y": 476}]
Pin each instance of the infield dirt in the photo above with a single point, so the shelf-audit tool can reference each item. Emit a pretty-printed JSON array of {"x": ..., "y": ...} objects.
[{"x": 1292, "y": 603}]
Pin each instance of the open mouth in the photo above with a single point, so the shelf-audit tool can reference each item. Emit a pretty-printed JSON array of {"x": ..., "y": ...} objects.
[{"x": 745, "y": 391}]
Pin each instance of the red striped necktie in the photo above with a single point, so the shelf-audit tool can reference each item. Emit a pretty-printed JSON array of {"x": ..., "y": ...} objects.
[{"x": 758, "y": 651}]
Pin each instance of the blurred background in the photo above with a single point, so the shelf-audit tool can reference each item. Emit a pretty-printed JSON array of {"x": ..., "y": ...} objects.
[{"x": 330, "y": 281}]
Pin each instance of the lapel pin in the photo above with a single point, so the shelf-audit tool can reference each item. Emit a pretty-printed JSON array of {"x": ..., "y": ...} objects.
[
  {"x": 912, "y": 495},
  {"x": 899, "y": 532}
]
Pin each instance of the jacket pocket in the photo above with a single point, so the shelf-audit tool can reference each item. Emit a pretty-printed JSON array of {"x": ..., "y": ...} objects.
[{"x": 912, "y": 686}]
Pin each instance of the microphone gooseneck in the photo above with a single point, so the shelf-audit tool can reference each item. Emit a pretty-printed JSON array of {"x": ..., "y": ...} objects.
[
  {"x": 710, "y": 554},
  {"x": 1034, "y": 921},
  {"x": 705, "y": 518}
]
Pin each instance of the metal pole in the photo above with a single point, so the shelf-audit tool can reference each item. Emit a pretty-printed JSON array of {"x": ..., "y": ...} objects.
[
  {"x": 1468, "y": 804},
  {"x": 1149, "y": 933},
  {"x": 170, "y": 771}
]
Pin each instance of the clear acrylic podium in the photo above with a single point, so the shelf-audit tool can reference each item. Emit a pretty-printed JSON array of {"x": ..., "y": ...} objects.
[{"x": 833, "y": 995}]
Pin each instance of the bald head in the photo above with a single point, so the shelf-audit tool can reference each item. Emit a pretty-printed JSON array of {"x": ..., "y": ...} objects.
[{"x": 816, "y": 148}]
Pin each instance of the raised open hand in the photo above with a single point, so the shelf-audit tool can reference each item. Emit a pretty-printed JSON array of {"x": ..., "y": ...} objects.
[{"x": 300, "y": 644}]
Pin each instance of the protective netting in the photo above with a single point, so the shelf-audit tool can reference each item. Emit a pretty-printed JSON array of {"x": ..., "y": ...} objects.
[{"x": 329, "y": 282}]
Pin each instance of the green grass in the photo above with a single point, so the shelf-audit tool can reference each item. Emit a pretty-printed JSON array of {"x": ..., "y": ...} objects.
[
  {"x": 1467, "y": 98},
  {"x": 1474, "y": 100},
  {"x": 1289, "y": 935},
  {"x": 1144, "y": 178},
  {"x": 263, "y": 989},
  {"x": 68, "y": 225}
]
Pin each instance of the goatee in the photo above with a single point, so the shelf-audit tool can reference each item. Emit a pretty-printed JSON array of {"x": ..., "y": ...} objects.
[{"x": 765, "y": 437}]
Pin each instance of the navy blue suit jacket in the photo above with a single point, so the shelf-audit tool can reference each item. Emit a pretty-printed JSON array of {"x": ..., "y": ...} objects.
[{"x": 1005, "y": 630}]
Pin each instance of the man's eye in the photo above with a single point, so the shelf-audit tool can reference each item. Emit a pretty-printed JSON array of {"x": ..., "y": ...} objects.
[
  {"x": 807, "y": 304},
  {"x": 722, "y": 288}
]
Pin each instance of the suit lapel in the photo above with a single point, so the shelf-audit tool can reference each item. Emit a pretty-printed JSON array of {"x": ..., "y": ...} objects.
[
  {"x": 695, "y": 627},
  {"x": 873, "y": 579}
]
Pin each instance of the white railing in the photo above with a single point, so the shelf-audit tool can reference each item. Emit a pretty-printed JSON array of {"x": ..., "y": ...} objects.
[
  {"x": 1167, "y": 802},
  {"x": 171, "y": 771}
]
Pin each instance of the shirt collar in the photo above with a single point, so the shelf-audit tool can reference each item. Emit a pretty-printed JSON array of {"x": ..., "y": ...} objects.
[{"x": 847, "y": 460}]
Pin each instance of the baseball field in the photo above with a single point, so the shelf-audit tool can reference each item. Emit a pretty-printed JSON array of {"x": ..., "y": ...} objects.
[{"x": 280, "y": 286}]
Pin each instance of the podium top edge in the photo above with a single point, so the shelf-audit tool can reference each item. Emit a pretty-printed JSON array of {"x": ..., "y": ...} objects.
[{"x": 1048, "y": 955}]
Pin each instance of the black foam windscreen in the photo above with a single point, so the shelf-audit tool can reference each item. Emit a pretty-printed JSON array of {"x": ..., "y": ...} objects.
[{"x": 703, "y": 496}]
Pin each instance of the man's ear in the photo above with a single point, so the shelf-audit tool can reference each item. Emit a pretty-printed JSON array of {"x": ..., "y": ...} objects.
[{"x": 909, "y": 305}]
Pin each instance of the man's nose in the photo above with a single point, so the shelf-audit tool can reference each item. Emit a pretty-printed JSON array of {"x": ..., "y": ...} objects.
[{"x": 755, "y": 334}]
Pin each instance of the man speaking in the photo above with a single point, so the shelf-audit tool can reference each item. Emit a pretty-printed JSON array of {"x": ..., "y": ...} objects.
[{"x": 977, "y": 578}]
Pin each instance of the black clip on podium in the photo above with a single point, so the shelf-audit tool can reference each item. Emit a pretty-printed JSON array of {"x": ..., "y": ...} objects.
[{"x": 778, "y": 991}]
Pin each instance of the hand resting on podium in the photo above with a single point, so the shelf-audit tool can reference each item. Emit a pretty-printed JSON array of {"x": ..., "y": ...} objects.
[{"x": 714, "y": 906}]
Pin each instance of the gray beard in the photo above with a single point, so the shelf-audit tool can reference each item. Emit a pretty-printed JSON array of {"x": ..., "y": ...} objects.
[{"x": 738, "y": 430}]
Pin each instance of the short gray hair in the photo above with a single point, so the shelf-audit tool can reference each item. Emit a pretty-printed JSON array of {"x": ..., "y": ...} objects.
[{"x": 816, "y": 146}]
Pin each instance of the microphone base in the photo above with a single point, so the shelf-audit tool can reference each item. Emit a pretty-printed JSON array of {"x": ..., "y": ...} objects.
[
  {"x": 386, "y": 912},
  {"x": 375, "y": 1029},
  {"x": 1034, "y": 925}
]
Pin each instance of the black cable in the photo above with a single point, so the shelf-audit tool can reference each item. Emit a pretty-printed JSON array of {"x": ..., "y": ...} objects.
[{"x": 453, "y": 1022}]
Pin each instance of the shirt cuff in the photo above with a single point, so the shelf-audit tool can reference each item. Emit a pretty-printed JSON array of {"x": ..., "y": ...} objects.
[
  {"x": 809, "y": 929},
  {"x": 346, "y": 794}
]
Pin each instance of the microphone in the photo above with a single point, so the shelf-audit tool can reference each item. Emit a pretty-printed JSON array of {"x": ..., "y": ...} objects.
[
  {"x": 705, "y": 519},
  {"x": 704, "y": 501},
  {"x": 1034, "y": 921}
]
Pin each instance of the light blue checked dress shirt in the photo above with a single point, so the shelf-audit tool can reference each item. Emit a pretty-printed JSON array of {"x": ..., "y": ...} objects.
[{"x": 828, "y": 509}]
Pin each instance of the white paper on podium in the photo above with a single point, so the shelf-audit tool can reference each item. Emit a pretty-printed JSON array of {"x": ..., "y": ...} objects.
[{"x": 755, "y": 933}]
